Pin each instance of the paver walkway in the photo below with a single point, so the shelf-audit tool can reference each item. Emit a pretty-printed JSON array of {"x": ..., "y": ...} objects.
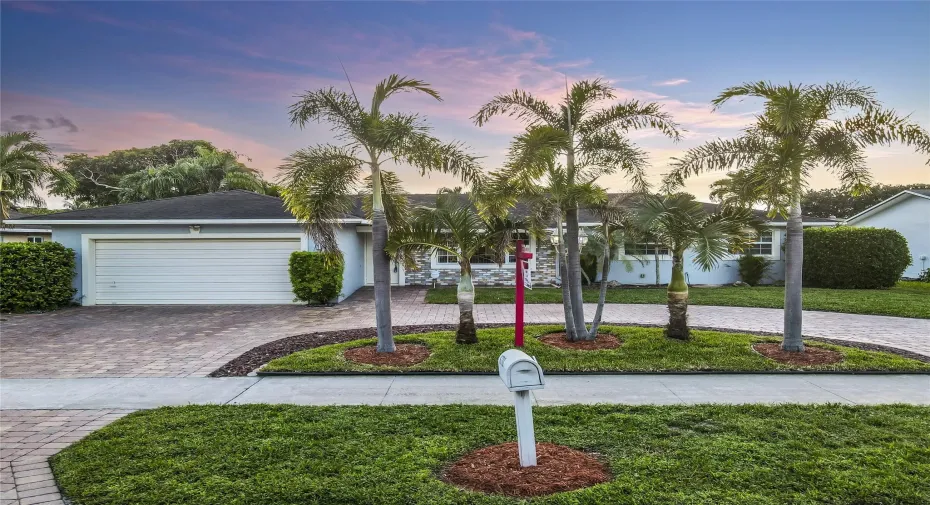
[{"x": 192, "y": 341}]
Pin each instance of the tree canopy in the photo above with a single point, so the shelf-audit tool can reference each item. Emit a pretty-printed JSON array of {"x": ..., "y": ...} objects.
[{"x": 840, "y": 203}]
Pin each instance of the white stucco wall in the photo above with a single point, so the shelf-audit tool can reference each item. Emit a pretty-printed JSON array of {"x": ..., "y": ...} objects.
[
  {"x": 349, "y": 242},
  {"x": 910, "y": 216}
]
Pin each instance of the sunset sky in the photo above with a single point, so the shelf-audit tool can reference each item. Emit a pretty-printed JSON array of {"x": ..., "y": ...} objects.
[{"x": 95, "y": 77}]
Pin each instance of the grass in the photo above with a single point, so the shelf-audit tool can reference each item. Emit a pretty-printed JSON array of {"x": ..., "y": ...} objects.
[
  {"x": 695, "y": 455},
  {"x": 907, "y": 299},
  {"x": 643, "y": 350}
]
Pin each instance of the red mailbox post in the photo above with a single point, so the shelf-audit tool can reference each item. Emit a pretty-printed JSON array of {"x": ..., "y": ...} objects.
[{"x": 522, "y": 257}]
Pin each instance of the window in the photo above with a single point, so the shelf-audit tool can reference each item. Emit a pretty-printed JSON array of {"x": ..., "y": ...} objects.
[
  {"x": 485, "y": 257},
  {"x": 644, "y": 249},
  {"x": 446, "y": 258},
  {"x": 762, "y": 246},
  {"x": 35, "y": 240}
]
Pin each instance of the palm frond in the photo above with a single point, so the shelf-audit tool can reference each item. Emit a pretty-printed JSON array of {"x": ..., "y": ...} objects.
[
  {"x": 608, "y": 152},
  {"x": 393, "y": 199},
  {"x": 429, "y": 154},
  {"x": 333, "y": 106},
  {"x": 633, "y": 115},
  {"x": 719, "y": 154},
  {"x": 397, "y": 84},
  {"x": 520, "y": 104},
  {"x": 877, "y": 126},
  {"x": 318, "y": 186}
]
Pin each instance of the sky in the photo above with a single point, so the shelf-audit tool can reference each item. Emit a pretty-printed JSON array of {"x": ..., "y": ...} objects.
[{"x": 93, "y": 77}]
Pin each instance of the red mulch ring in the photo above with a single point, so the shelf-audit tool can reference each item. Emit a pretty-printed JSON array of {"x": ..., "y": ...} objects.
[
  {"x": 403, "y": 355},
  {"x": 810, "y": 357},
  {"x": 602, "y": 341},
  {"x": 496, "y": 469}
]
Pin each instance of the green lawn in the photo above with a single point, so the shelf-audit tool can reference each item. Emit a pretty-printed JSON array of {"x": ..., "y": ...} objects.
[
  {"x": 907, "y": 299},
  {"x": 695, "y": 455},
  {"x": 643, "y": 349}
]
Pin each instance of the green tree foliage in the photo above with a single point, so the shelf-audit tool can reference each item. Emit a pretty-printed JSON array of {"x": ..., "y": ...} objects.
[
  {"x": 840, "y": 203},
  {"x": 98, "y": 177},
  {"x": 316, "y": 276},
  {"x": 26, "y": 166},
  {"x": 854, "y": 258},
  {"x": 752, "y": 269},
  {"x": 35, "y": 276}
]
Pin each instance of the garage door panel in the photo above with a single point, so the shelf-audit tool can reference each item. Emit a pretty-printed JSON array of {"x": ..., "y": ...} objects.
[{"x": 193, "y": 271}]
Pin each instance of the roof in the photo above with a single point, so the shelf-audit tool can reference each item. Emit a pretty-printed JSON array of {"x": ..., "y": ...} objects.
[
  {"x": 907, "y": 193},
  {"x": 15, "y": 214},
  {"x": 246, "y": 205}
]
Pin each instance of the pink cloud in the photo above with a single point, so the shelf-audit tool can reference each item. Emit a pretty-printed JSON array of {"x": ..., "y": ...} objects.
[
  {"x": 42, "y": 8},
  {"x": 671, "y": 82}
]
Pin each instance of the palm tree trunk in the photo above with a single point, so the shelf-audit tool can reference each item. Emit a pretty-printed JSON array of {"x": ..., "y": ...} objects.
[
  {"x": 602, "y": 297},
  {"x": 381, "y": 264},
  {"x": 794, "y": 261},
  {"x": 678, "y": 302},
  {"x": 574, "y": 273},
  {"x": 656, "y": 259},
  {"x": 466, "y": 333},
  {"x": 566, "y": 296}
]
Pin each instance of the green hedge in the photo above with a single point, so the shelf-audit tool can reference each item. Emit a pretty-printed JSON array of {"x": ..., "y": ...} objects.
[
  {"x": 35, "y": 276},
  {"x": 854, "y": 258},
  {"x": 752, "y": 269},
  {"x": 316, "y": 276}
]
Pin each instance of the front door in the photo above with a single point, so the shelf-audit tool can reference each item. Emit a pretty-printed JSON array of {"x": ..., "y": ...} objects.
[{"x": 396, "y": 270}]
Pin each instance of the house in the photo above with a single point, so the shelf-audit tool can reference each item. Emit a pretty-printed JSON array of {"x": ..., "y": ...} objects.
[
  {"x": 233, "y": 247},
  {"x": 23, "y": 233},
  {"x": 908, "y": 212}
]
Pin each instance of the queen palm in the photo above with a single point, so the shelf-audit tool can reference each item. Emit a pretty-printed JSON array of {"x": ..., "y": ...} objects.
[
  {"x": 593, "y": 144},
  {"x": 802, "y": 128},
  {"x": 320, "y": 181},
  {"x": 454, "y": 228},
  {"x": 680, "y": 222},
  {"x": 26, "y": 166}
]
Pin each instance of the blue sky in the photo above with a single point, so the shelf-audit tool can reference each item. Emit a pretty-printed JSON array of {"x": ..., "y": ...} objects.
[{"x": 133, "y": 74}]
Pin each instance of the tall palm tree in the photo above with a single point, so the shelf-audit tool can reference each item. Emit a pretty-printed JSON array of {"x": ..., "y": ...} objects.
[
  {"x": 454, "y": 227},
  {"x": 593, "y": 144},
  {"x": 801, "y": 128},
  {"x": 320, "y": 181},
  {"x": 680, "y": 222},
  {"x": 26, "y": 166}
]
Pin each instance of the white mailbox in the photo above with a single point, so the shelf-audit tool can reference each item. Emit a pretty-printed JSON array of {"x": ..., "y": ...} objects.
[
  {"x": 520, "y": 374},
  {"x": 520, "y": 371}
]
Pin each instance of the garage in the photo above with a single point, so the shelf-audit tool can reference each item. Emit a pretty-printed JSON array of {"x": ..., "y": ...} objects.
[{"x": 192, "y": 271}]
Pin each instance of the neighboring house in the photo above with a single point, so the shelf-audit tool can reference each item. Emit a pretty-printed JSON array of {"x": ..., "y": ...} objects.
[
  {"x": 908, "y": 212},
  {"x": 233, "y": 247},
  {"x": 23, "y": 233}
]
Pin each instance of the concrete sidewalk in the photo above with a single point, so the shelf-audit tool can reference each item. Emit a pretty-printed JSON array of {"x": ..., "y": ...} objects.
[{"x": 143, "y": 393}]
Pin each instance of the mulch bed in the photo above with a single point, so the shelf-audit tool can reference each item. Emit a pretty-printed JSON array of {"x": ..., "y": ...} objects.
[
  {"x": 496, "y": 470},
  {"x": 810, "y": 357},
  {"x": 403, "y": 355},
  {"x": 602, "y": 341}
]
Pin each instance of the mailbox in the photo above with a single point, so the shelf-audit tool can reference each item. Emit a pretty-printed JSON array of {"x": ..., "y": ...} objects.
[{"x": 519, "y": 371}]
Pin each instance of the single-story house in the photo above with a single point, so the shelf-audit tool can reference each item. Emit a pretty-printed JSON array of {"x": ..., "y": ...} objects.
[
  {"x": 23, "y": 233},
  {"x": 908, "y": 212},
  {"x": 233, "y": 247}
]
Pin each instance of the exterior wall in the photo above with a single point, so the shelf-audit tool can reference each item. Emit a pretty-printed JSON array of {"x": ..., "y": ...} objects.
[
  {"x": 910, "y": 216},
  {"x": 542, "y": 270},
  {"x": 349, "y": 241}
]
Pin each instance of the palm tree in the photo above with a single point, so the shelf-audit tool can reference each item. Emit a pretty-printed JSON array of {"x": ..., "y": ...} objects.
[
  {"x": 319, "y": 181},
  {"x": 210, "y": 171},
  {"x": 26, "y": 166},
  {"x": 797, "y": 132},
  {"x": 680, "y": 222},
  {"x": 593, "y": 144},
  {"x": 454, "y": 227}
]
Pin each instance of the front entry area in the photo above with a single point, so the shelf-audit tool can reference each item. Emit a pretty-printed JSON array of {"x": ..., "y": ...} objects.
[
  {"x": 191, "y": 271},
  {"x": 397, "y": 271}
]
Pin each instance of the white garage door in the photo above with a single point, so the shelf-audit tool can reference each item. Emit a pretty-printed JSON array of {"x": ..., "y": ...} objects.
[{"x": 193, "y": 271}]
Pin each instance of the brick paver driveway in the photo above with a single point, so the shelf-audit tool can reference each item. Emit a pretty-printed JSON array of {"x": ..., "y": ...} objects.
[{"x": 183, "y": 341}]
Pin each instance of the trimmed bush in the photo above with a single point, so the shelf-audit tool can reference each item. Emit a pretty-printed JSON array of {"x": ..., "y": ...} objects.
[
  {"x": 753, "y": 268},
  {"x": 35, "y": 276},
  {"x": 854, "y": 258},
  {"x": 316, "y": 276}
]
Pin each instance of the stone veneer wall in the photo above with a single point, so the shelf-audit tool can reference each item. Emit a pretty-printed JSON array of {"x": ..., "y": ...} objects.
[{"x": 543, "y": 275}]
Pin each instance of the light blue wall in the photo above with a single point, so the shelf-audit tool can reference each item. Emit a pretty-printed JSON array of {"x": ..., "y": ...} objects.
[
  {"x": 349, "y": 241},
  {"x": 911, "y": 218}
]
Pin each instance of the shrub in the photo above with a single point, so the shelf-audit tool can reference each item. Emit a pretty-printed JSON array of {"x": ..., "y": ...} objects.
[
  {"x": 316, "y": 276},
  {"x": 854, "y": 258},
  {"x": 35, "y": 276},
  {"x": 753, "y": 268},
  {"x": 924, "y": 276}
]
